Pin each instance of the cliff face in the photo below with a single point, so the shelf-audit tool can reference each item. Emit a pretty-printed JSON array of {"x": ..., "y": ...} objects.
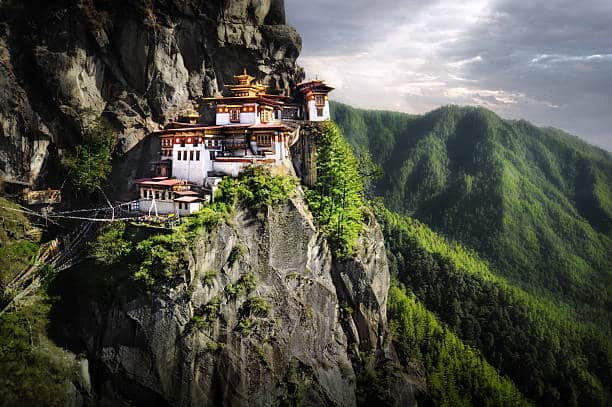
[
  {"x": 138, "y": 63},
  {"x": 205, "y": 341},
  {"x": 308, "y": 328}
]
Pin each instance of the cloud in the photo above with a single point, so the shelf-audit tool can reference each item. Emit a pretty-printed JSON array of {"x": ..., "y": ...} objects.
[{"x": 549, "y": 62}]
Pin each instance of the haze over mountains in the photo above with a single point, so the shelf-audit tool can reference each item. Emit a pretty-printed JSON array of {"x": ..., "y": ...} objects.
[{"x": 547, "y": 62}]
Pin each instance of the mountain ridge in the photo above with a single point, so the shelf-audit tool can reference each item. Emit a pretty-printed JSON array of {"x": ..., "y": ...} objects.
[{"x": 525, "y": 198}]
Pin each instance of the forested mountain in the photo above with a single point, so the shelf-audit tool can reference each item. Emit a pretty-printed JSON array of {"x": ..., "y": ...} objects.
[
  {"x": 535, "y": 202},
  {"x": 502, "y": 231},
  {"x": 551, "y": 356}
]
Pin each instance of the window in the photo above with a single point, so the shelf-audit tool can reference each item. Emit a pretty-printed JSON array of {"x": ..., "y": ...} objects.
[
  {"x": 183, "y": 142},
  {"x": 191, "y": 155},
  {"x": 264, "y": 140},
  {"x": 212, "y": 155},
  {"x": 319, "y": 111},
  {"x": 265, "y": 116},
  {"x": 185, "y": 155},
  {"x": 178, "y": 155},
  {"x": 235, "y": 115},
  {"x": 319, "y": 100},
  {"x": 195, "y": 141},
  {"x": 198, "y": 155}
]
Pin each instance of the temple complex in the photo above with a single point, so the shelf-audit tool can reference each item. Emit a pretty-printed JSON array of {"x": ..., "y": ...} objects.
[{"x": 251, "y": 127}]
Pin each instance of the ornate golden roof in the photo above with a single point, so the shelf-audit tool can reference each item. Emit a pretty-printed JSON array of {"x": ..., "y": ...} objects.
[
  {"x": 245, "y": 86},
  {"x": 245, "y": 79}
]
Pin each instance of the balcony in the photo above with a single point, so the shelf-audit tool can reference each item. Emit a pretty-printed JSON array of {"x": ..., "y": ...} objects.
[{"x": 235, "y": 144}]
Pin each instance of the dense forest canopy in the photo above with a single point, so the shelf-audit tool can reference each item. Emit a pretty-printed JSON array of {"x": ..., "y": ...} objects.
[
  {"x": 504, "y": 237},
  {"x": 536, "y": 203}
]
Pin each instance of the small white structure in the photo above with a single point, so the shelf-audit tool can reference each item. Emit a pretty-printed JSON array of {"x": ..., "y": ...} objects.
[
  {"x": 163, "y": 196},
  {"x": 187, "y": 205},
  {"x": 316, "y": 100}
]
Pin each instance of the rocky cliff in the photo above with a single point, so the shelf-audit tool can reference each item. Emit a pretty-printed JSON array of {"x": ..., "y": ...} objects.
[
  {"x": 137, "y": 63},
  {"x": 261, "y": 315}
]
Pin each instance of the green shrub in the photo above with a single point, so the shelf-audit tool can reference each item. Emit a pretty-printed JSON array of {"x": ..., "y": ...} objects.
[
  {"x": 345, "y": 311},
  {"x": 245, "y": 285},
  {"x": 249, "y": 282},
  {"x": 257, "y": 306},
  {"x": 208, "y": 277},
  {"x": 33, "y": 370},
  {"x": 214, "y": 346},
  {"x": 256, "y": 188},
  {"x": 90, "y": 164},
  {"x": 160, "y": 256},
  {"x": 246, "y": 326},
  {"x": 15, "y": 257},
  {"x": 208, "y": 313},
  {"x": 17, "y": 245},
  {"x": 197, "y": 320},
  {"x": 206, "y": 219},
  {"x": 261, "y": 354},
  {"x": 236, "y": 254},
  {"x": 110, "y": 247}
]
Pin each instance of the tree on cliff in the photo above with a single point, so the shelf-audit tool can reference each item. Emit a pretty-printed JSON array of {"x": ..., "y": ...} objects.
[{"x": 90, "y": 164}]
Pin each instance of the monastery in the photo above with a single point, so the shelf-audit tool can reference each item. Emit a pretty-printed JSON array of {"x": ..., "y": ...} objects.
[{"x": 251, "y": 127}]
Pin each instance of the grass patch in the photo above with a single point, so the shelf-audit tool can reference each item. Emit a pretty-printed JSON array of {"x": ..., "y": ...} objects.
[
  {"x": 245, "y": 285},
  {"x": 257, "y": 306},
  {"x": 207, "y": 314},
  {"x": 236, "y": 254},
  {"x": 208, "y": 278}
]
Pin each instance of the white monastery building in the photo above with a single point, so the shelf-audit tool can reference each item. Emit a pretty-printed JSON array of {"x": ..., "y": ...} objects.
[
  {"x": 317, "y": 103},
  {"x": 251, "y": 127}
]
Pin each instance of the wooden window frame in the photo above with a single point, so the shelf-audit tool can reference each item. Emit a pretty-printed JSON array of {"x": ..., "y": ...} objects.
[
  {"x": 264, "y": 140},
  {"x": 235, "y": 115}
]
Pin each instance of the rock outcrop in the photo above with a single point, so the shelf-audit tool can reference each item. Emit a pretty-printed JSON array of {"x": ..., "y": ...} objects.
[
  {"x": 137, "y": 63},
  {"x": 208, "y": 340},
  {"x": 262, "y": 314}
]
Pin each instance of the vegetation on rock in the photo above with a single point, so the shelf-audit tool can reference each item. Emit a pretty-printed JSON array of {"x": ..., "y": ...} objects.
[
  {"x": 18, "y": 243},
  {"x": 33, "y": 370},
  {"x": 154, "y": 257},
  {"x": 90, "y": 164},
  {"x": 256, "y": 188}
]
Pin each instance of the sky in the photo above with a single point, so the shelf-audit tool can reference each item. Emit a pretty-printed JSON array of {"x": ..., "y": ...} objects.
[{"x": 547, "y": 61}]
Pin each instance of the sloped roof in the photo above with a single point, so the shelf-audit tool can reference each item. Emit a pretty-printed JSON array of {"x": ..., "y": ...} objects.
[{"x": 188, "y": 199}]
